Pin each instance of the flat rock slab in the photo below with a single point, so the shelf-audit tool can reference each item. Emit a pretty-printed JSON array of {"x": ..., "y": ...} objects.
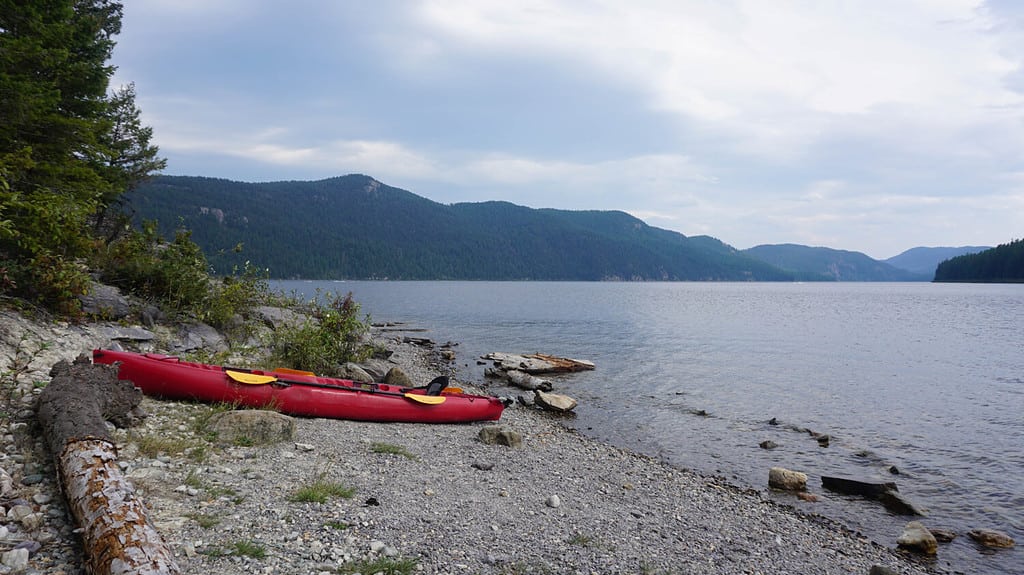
[{"x": 535, "y": 363}]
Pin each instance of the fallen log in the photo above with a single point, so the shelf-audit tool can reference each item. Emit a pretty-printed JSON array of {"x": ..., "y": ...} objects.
[{"x": 118, "y": 537}]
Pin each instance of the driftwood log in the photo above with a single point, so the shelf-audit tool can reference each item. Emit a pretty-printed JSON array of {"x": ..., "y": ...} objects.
[{"x": 118, "y": 537}]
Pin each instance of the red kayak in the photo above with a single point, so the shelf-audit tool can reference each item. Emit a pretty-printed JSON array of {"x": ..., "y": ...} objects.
[{"x": 297, "y": 393}]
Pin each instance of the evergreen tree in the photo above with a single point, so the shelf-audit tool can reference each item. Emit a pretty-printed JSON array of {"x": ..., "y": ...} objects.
[{"x": 67, "y": 150}]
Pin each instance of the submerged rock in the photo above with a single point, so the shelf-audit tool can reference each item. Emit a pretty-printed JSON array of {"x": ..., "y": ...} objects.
[{"x": 991, "y": 538}]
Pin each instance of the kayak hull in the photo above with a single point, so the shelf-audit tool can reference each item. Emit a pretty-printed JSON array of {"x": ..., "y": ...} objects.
[{"x": 294, "y": 393}]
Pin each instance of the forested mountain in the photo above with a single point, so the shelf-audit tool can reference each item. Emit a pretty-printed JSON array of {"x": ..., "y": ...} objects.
[
  {"x": 924, "y": 260},
  {"x": 354, "y": 227},
  {"x": 1004, "y": 263},
  {"x": 826, "y": 264}
]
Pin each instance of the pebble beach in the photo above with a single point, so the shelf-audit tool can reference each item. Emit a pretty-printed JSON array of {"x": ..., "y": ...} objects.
[{"x": 406, "y": 498}]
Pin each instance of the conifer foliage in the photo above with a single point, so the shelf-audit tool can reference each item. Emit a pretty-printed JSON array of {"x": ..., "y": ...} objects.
[{"x": 68, "y": 148}]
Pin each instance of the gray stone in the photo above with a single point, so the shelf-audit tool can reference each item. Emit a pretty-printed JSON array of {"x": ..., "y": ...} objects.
[
  {"x": 396, "y": 376},
  {"x": 197, "y": 336},
  {"x": 554, "y": 401},
  {"x": 355, "y": 373},
  {"x": 553, "y": 502},
  {"x": 105, "y": 302},
  {"x": 917, "y": 538},
  {"x": 16, "y": 559},
  {"x": 256, "y": 425},
  {"x": 278, "y": 317},
  {"x": 882, "y": 570},
  {"x": 787, "y": 480},
  {"x": 500, "y": 435},
  {"x": 523, "y": 380},
  {"x": 768, "y": 444},
  {"x": 119, "y": 333}
]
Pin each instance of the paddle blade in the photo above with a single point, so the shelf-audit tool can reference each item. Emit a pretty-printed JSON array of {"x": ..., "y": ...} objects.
[
  {"x": 427, "y": 399},
  {"x": 250, "y": 378}
]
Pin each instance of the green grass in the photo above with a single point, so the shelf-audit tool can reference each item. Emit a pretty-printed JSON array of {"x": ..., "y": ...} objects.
[
  {"x": 154, "y": 445},
  {"x": 339, "y": 525},
  {"x": 320, "y": 491},
  {"x": 244, "y": 548},
  {"x": 204, "y": 521},
  {"x": 249, "y": 549},
  {"x": 390, "y": 449}
]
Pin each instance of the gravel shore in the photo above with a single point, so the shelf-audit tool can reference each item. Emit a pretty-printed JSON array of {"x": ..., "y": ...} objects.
[{"x": 417, "y": 498}]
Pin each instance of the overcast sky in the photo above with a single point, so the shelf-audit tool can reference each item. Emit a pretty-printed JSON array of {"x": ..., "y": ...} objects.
[{"x": 873, "y": 126}]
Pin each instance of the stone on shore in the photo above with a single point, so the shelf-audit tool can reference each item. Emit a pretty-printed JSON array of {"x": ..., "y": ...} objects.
[
  {"x": 554, "y": 401},
  {"x": 787, "y": 480},
  {"x": 501, "y": 435},
  {"x": 916, "y": 537},
  {"x": 523, "y": 380},
  {"x": 261, "y": 427}
]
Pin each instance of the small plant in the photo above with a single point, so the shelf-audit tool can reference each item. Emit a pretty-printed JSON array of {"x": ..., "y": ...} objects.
[
  {"x": 339, "y": 525},
  {"x": 193, "y": 480},
  {"x": 385, "y": 565},
  {"x": 248, "y": 548},
  {"x": 203, "y": 520},
  {"x": 392, "y": 450},
  {"x": 320, "y": 490},
  {"x": 154, "y": 445},
  {"x": 244, "y": 441}
]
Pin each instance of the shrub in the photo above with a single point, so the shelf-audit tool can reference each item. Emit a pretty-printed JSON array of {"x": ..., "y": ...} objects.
[{"x": 332, "y": 335}]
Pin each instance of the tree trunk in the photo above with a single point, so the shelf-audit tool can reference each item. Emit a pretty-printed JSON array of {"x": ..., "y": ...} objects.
[{"x": 118, "y": 537}]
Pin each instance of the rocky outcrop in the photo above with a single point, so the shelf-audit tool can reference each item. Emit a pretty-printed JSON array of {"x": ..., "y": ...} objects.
[{"x": 535, "y": 363}]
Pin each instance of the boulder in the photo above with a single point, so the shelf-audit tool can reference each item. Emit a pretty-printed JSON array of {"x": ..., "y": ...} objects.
[
  {"x": 917, "y": 538},
  {"x": 105, "y": 302},
  {"x": 787, "y": 480},
  {"x": 554, "y": 401},
  {"x": 396, "y": 376},
  {"x": 943, "y": 535},
  {"x": 501, "y": 435},
  {"x": 523, "y": 380},
  {"x": 355, "y": 373},
  {"x": 768, "y": 444},
  {"x": 258, "y": 426},
  {"x": 991, "y": 538},
  {"x": 278, "y": 317},
  {"x": 196, "y": 336}
]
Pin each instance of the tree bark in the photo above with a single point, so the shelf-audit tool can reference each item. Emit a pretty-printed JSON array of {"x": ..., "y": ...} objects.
[{"x": 118, "y": 537}]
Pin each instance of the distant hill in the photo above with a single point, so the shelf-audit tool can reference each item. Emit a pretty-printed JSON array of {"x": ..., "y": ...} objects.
[
  {"x": 1001, "y": 264},
  {"x": 354, "y": 227},
  {"x": 826, "y": 264},
  {"x": 924, "y": 260}
]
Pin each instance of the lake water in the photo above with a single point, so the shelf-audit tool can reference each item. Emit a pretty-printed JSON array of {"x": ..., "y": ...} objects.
[{"x": 926, "y": 378}]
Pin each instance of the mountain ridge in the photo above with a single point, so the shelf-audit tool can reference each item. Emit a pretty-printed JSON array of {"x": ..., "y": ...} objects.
[{"x": 355, "y": 227}]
